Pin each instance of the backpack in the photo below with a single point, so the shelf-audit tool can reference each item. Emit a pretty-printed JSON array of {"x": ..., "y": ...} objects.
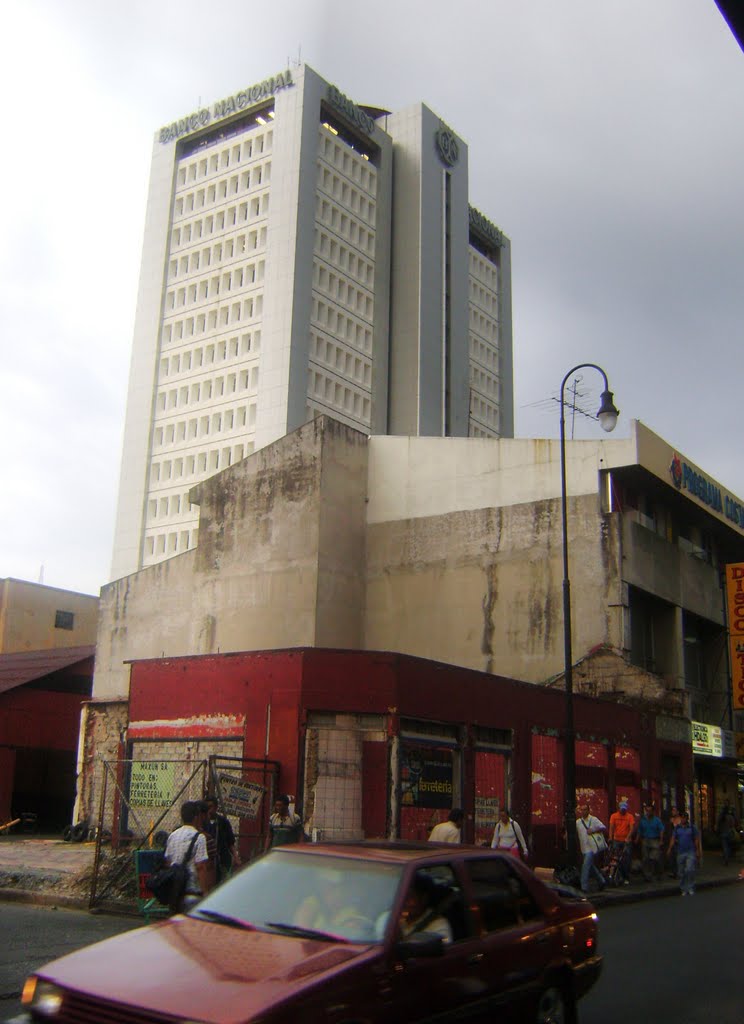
[{"x": 168, "y": 883}]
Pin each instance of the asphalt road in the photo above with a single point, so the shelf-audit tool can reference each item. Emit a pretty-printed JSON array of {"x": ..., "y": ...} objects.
[
  {"x": 671, "y": 961},
  {"x": 667, "y": 961},
  {"x": 32, "y": 936}
]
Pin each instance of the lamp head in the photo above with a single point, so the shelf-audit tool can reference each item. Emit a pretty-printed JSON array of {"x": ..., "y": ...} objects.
[{"x": 607, "y": 413}]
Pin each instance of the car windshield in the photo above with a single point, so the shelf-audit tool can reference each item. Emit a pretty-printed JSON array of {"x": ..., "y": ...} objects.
[{"x": 307, "y": 895}]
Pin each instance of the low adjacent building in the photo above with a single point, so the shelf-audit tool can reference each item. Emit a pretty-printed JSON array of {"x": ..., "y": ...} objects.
[{"x": 449, "y": 549}]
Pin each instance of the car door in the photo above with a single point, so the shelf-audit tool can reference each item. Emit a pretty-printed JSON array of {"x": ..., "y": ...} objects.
[
  {"x": 518, "y": 940},
  {"x": 420, "y": 988}
]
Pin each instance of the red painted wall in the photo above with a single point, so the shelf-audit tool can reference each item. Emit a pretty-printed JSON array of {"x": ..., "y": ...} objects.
[{"x": 40, "y": 718}]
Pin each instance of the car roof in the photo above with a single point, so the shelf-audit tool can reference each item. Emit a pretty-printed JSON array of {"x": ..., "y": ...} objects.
[{"x": 390, "y": 851}]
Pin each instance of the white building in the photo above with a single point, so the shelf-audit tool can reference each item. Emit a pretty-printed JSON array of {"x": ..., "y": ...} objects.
[{"x": 304, "y": 255}]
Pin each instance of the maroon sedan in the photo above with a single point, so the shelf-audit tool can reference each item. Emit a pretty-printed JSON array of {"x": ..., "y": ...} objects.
[{"x": 343, "y": 934}]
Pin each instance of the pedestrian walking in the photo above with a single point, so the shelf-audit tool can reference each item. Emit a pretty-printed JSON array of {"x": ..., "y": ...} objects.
[
  {"x": 221, "y": 838},
  {"x": 727, "y": 831},
  {"x": 650, "y": 833},
  {"x": 622, "y": 827},
  {"x": 675, "y": 818},
  {"x": 689, "y": 854},
  {"x": 284, "y": 825},
  {"x": 188, "y": 845},
  {"x": 507, "y": 836},
  {"x": 448, "y": 831},
  {"x": 590, "y": 832}
]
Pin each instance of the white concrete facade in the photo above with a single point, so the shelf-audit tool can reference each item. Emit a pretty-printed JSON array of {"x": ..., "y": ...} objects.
[{"x": 303, "y": 255}]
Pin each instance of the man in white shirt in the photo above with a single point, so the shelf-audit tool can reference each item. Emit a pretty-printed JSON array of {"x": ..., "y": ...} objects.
[
  {"x": 507, "y": 836},
  {"x": 177, "y": 850},
  {"x": 419, "y": 913},
  {"x": 590, "y": 832},
  {"x": 448, "y": 831}
]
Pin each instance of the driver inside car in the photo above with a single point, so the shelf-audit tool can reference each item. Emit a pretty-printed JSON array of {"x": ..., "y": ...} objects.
[
  {"x": 420, "y": 912},
  {"x": 333, "y": 908}
]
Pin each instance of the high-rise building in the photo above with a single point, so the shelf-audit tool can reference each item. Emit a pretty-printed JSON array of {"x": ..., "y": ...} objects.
[{"x": 302, "y": 255}]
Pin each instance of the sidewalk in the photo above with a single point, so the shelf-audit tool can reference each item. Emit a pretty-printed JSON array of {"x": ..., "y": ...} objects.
[{"x": 50, "y": 871}]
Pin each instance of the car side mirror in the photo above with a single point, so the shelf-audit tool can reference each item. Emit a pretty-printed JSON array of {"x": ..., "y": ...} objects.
[{"x": 420, "y": 944}]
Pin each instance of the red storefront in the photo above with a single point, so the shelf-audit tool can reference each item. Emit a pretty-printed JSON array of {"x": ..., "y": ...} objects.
[{"x": 384, "y": 744}]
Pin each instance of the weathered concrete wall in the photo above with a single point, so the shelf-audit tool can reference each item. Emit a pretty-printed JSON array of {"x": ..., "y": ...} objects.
[
  {"x": 103, "y": 726},
  {"x": 279, "y": 562},
  {"x": 28, "y": 615},
  {"x": 482, "y": 589}
]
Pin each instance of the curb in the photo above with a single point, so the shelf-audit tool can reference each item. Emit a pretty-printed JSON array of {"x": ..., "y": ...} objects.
[
  {"x": 606, "y": 900},
  {"x": 43, "y": 899}
]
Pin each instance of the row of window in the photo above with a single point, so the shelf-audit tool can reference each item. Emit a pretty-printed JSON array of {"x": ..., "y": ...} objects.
[
  {"x": 338, "y": 395},
  {"x": 483, "y": 353},
  {"x": 241, "y": 213},
  {"x": 338, "y": 358},
  {"x": 171, "y": 543},
  {"x": 200, "y": 259},
  {"x": 250, "y": 308},
  {"x": 198, "y": 464},
  {"x": 219, "y": 192},
  {"x": 208, "y": 391},
  {"x": 208, "y": 289},
  {"x": 329, "y": 319},
  {"x": 170, "y": 506},
  {"x": 229, "y": 248},
  {"x": 192, "y": 231},
  {"x": 220, "y": 351},
  {"x": 341, "y": 292},
  {"x": 346, "y": 195},
  {"x": 350, "y": 163},
  {"x": 482, "y": 324},
  {"x": 483, "y": 270},
  {"x": 339, "y": 255},
  {"x": 485, "y": 413},
  {"x": 255, "y": 146},
  {"x": 483, "y": 298},
  {"x": 485, "y": 383},
  {"x": 343, "y": 224}
]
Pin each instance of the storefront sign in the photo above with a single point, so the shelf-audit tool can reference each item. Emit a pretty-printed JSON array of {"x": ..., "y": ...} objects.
[
  {"x": 712, "y": 741},
  {"x": 484, "y": 227},
  {"x": 685, "y": 478},
  {"x": 426, "y": 777},
  {"x": 735, "y": 606},
  {"x": 151, "y": 784},
  {"x": 223, "y": 108},
  {"x": 354, "y": 113},
  {"x": 240, "y": 797}
]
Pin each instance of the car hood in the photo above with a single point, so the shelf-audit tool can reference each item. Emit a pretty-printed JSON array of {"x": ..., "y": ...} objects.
[{"x": 197, "y": 970}]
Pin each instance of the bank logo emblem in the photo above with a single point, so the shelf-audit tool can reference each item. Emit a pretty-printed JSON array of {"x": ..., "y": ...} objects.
[
  {"x": 447, "y": 147},
  {"x": 675, "y": 471}
]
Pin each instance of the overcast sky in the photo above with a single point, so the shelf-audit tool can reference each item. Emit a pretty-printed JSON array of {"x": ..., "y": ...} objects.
[{"x": 605, "y": 139}]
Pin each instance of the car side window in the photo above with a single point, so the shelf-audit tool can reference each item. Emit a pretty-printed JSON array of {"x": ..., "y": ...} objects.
[
  {"x": 502, "y": 898},
  {"x": 444, "y": 899}
]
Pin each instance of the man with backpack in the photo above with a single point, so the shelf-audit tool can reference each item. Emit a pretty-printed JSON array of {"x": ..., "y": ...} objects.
[{"x": 187, "y": 845}]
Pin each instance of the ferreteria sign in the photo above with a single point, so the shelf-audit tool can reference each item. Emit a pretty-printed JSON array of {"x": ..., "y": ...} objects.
[
  {"x": 223, "y": 108},
  {"x": 350, "y": 110},
  {"x": 685, "y": 478}
]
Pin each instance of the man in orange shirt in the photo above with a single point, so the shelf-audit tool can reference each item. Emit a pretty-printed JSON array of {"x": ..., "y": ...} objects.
[{"x": 622, "y": 827}]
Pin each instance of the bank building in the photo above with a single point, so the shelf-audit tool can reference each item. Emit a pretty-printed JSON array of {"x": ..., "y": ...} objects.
[{"x": 304, "y": 254}]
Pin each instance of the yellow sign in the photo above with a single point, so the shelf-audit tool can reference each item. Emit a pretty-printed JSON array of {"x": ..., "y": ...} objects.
[
  {"x": 735, "y": 605},
  {"x": 151, "y": 784}
]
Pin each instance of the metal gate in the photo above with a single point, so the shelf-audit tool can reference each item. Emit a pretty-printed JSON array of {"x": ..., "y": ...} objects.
[
  {"x": 246, "y": 789},
  {"x": 140, "y": 806}
]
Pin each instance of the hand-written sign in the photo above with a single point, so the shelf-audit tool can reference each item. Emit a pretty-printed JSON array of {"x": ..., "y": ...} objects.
[
  {"x": 151, "y": 784},
  {"x": 240, "y": 797}
]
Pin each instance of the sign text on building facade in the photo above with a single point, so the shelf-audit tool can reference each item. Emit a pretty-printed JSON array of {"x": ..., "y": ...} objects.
[
  {"x": 223, "y": 108},
  {"x": 735, "y": 607}
]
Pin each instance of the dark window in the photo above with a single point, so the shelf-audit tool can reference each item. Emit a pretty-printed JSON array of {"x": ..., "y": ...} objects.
[
  {"x": 502, "y": 898},
  {"x": 64, "y": 620}
]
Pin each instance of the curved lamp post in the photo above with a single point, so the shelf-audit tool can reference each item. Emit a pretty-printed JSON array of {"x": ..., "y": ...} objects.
[{"x": 607, "y": 416}]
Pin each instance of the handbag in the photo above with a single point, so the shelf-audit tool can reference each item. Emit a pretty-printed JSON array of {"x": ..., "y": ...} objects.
[{"x": 168, "y": 884}]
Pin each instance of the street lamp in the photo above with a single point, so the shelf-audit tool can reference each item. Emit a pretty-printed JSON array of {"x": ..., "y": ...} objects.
[{"x": 607, "y": 416}]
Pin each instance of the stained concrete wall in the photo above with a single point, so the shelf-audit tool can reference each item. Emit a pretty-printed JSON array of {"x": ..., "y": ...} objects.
[
  {"x": 279, "y": 564},
  {"x": 483, "y": 589}
]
